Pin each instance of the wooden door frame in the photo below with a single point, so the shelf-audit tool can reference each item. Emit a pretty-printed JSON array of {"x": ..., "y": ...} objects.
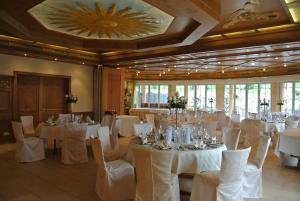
[{"x": 15, "y": 87}]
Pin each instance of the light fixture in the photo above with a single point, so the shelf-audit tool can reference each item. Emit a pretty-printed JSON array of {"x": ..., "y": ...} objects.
[
  {"x": 188, "y": 73},
  {"x": 235, "y": 68},
  {"x": 118, "y": 68},
  {"x": 137, "y": 74},
  {"x": 264, "y": 69},
  {"x": 118, "y": 64},
  {"x": 205, "y": 67},
  {"x": 55, "y": 59},
  {"x": 276, "y": 58},
  {"x": 169, "y": 69},
  {"x": 25, "y": 54},
  {"x": 252, "y": 63},
  {"x": 285, "y": 65},
  {"x": 219, "y": 62},
  {"x": 159, "y": 75},
  {"x": 164, "y": 72},
  {"x": 83, "y": 63},
  {"x": 165, "y": 64},
  {"x": 175, "y": 66},
  {"x": 223, "y": 71},
  {"x": 196, "y": 70}
]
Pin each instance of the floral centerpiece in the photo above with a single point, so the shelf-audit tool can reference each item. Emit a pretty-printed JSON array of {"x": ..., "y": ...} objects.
[
  {"x": 176, "y": 102},
  {"x": 71, "y": 98}
]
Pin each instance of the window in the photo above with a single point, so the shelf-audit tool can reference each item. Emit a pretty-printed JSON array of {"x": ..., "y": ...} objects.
[
  {"x": 201, "y": 96},
  {"x": 163, "y": 93},
  {"x": 287, "y": 96},
  {"x": 297, "y": 98},
  {"x": 180, "y": 90},
  {"x": 191, "y": 97},
  {"x": 150, "y": 95},
  {"x": 245, "y": 98}
]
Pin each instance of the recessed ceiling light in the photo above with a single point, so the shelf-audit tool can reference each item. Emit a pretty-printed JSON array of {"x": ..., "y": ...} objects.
[
  {"x": 188, "y": 73},
  {"x": 235, "y": 68},
  {"x": 83, "y": 63},
  {"x": 285, "y": 65},
  {"x": 288, "y": 46},
  {"x": 159, "y": 75},
  {"x": 164, "y": 72},
  {"x": 165, "y": 64},
  {"x": 118, "y": 64},
  {"x": 129, "y": 67},
  {"x": 205, "y": 67},
  {"x": 55, "y": 59},
  {"x": 264, "y": 69},
  {"x": 145, "y": 65},
  {"x": 219, "y": 62},
  {"x": 276, "y": 58},
  {"x": 118, "y": 68},
  {"x": 252, "y": 63},
  {"x": 169, "y": 69},
  {"x": 138, "y": 72},
  {"x": 25, "y": 54},
  {"x": 175, "y": 66},
  {"x": 196, "y": 70},
  {"x": 223, "y": 71}
]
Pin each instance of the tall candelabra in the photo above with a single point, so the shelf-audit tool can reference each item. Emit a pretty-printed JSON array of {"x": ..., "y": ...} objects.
[{"x": 211, "y": 101}]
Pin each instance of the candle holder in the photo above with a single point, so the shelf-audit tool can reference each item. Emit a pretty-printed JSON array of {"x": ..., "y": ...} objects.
[
  {"x": 211, "y": 101},
  {"x": 265, "y": 105},
  {"x": 280, "y": 104}
]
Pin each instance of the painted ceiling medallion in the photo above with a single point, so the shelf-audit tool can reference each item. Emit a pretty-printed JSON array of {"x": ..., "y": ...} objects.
[
  {"x": 247, "y": 13},
  {"x": 94, "y": 19}
]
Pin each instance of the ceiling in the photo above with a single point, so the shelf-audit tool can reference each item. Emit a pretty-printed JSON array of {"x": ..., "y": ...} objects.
[{"x": 150, "y": 39}]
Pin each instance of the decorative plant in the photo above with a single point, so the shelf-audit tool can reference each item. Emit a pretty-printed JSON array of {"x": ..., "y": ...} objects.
[
  {"x": 71, "y": 98},
  {"x": 177, "y": 102}
]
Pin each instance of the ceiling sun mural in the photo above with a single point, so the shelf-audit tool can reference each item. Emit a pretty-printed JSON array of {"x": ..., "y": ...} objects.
[{"x": 102, "y": 19}]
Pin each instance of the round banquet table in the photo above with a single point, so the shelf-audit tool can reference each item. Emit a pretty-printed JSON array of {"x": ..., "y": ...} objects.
[
  {"x": 124, "y": 124},
  {"x": 187, "y": 161},
  {"x": 57, "y": 132}
]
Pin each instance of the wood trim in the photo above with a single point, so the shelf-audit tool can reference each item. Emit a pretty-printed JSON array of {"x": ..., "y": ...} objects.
[{"x": 16, "y": 73}]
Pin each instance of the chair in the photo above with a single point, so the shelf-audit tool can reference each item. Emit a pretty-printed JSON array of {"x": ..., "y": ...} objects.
[
  {"x": 221, "y": 118},
  {"x": 230, "y": 137},
  {"x": 109, "y": 153},
  {"x": 142, "y": 129},
  {"x": 235, "y": 120},
  {"x": 252, "y": 185},
  {"x": 107, "y": 120},
  {"x": 150, "y": 118},
  {"x": 28, "y": 149},
  {"x": 210, "y": 127},
  {"x": 252, "y": 132},
  {"x": 27, "y": 123},
  {"x": 155, "y": 181},
  {"x": 114, "y": 180},
  {"x": 74, "y": 145},
  {"x": 223, "y": 185},
  {"x": 289, "y": 124}
]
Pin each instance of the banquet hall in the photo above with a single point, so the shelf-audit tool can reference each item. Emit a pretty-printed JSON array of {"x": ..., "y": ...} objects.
[{"x": 149, "y": 100}]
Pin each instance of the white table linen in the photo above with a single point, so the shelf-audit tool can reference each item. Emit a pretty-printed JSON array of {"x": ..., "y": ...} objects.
[
  {"x": 58, "y": 131},
  {"x": 189, "y": 161},
  {"x": 124, "y": 124},
  {"x": 289, "y": 143}
]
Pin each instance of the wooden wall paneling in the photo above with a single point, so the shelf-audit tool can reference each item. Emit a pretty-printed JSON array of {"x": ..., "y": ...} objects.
[
  {"x": 52, "y": 93},
  {"x": 6, "y": 108},
  {"x": 113, "y": 90},
  {"x": 28, "y": 96}
]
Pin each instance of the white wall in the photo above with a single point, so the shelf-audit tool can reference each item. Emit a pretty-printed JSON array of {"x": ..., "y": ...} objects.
[{"x": 81, "y": 82}]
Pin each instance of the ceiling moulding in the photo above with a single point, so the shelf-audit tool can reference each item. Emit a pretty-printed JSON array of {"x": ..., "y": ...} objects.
[{"x": 19, "y": 46}]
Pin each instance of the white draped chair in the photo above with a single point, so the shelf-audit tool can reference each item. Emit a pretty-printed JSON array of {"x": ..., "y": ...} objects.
[
  {"x": 74, "y": 144},
  {"x": 291, "y": 124},
  {"x": 28, "y": 149},
  {"x": 155, "y": 181},
  {"x": 230, "y": 137},
  {"x": 142, "y": 130},
  {"x": 223, "y": 185},
  {"x": 235, "y": 120},
  {"x": 210, "y": 127},
  {"x": 107, "y": 120},
  {"x": 221, "y": 118},
  {"x": 252, "y": 132},
  {"x": 150, "y": 118},
  {"x": 115, "y": 180},
  {"x": 28, "y": 127},
  {"x": 110, "y": 152},
  {"x": 252, "y": 185}
]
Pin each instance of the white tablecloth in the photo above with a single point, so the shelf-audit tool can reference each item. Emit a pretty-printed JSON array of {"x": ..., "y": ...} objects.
[
  {"x": 190, "y": 161},
  {"x": 140, "y": 112},
  {"x": 57, "y": 132},
  {"x": 124, "y": 124},
  {"x": 273, "y": 127},
  {"x": 289, "y": 143}
]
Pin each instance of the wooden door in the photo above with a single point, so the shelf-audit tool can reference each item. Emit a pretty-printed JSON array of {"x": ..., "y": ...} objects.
[
  {"x": 52, "y": 100},
  {"x": 28, "y": 96}
]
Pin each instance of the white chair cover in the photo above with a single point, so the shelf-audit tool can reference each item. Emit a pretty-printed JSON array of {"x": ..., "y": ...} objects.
[
  {"x": 224, "y": 185},
  {"x": 252, "y": 185},
  {"x": 291, "y": 124},
  {"x": 235, "y": 120},
  {"x": 252, "y": 132},
  {"x": 107, "y": 120},
  {"x": 155, "y": 182},
  {"x": 27, "y": 123},
  {"x": 115, "y": 180},
  {"x": 221, "y": 118},
  {"x": 210, "y": 127},
  {"x": 150, "y": 118},
  {"x": 230, "y": 137},
  {"x": 109, "y": 153},
  {"x": 28, "y": 149},
  {"x": 142, "y": 129},
  {"x": 74, "y": 146}
]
